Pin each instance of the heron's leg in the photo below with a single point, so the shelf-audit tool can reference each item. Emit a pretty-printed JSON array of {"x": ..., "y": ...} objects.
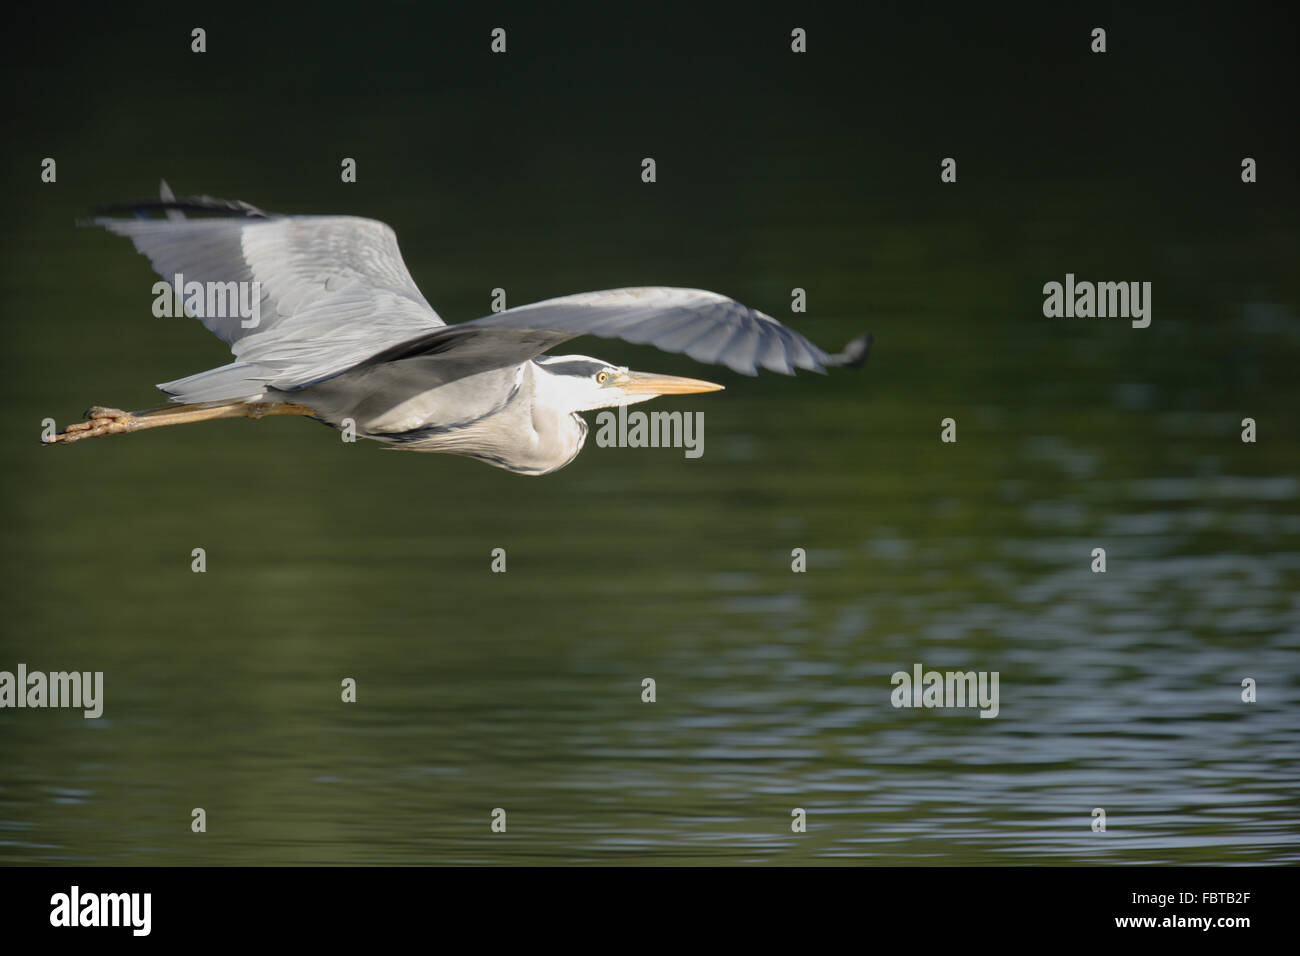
[{"x": 113, "y": 421}]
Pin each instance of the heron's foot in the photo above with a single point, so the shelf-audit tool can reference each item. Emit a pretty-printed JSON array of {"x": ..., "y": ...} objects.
[{"x": 99, "y": 421}]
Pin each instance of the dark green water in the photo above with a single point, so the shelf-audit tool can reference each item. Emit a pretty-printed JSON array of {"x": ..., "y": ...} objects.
[{"x": 523, "y": 690}]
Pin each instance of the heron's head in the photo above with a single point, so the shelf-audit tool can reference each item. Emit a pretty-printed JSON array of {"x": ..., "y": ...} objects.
[{"x": 588, "y": 383}]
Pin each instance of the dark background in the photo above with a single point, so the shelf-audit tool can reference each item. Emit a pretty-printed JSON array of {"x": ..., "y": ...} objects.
[{"x": 775, "y": 171}]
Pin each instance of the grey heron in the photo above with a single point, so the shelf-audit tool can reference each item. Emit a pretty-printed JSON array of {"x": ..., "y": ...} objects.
[{"x": 344, "y": 336}]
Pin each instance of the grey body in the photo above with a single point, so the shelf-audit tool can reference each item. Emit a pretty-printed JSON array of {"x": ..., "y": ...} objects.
[{"x": 501, "y": 416}]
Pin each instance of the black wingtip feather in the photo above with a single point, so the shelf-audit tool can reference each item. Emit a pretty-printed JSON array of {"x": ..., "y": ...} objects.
[
  {"x": 856, "y": 352},
  {"x": 200, "y": 205}
]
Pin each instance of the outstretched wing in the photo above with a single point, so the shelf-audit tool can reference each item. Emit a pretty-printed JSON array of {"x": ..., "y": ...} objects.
[
  {"x": 335, "y": 294},
  {"x": 333, "y": 289},
  {"x": 704, "y": 325}
]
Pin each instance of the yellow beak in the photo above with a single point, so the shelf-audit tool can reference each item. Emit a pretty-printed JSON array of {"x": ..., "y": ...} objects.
[{"x": 648, "y": 383}]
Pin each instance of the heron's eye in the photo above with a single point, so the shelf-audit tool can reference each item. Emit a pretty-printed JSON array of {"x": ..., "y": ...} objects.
[{"x": 602, "y": 378}]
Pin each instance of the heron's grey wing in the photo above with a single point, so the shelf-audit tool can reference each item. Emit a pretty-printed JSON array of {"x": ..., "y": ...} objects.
[
  {"x": 333, "y": 291},
  {"x": 704, "y": 325}
]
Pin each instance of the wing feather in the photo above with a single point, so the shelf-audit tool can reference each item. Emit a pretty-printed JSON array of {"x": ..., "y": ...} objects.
[
  {"x": 333, "y": 289},
  {"x": 704, "y": 325},
  {"x": 335, "y": 294}
]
